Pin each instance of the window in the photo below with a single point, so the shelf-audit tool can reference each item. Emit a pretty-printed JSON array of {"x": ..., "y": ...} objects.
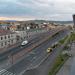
[
  {"x": 11, "y": 35},
  {"x": 12, "y": 41},
  {"x": 5, "y": 37},
  {"x": 8, "y": 36},
  {"x": 1, "y": 38},
  {"x": 24, "y": 37},
  {"x": 1, "y": 44},
  {"x": 5, "y": 43}
]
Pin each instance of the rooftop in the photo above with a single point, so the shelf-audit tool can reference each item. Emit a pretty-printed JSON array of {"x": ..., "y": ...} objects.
[{"x": 5, "y": 32}]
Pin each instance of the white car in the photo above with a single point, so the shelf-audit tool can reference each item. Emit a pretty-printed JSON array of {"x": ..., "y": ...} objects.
[{"x": 24, "y": 42}]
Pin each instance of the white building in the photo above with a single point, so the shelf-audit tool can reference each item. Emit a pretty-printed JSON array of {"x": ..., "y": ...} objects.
[
  {"x": 7, "y": 38},
  {"x": 21, "y": 35}
]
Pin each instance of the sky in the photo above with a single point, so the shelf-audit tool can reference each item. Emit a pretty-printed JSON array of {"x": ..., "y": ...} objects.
[{"x": 60, "y": 10}]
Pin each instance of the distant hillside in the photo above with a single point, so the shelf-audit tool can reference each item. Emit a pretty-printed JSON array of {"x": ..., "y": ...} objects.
[
  {"x": 8, "y": 20},
  {"x": 63, "y": 22},
  {"x": 41, "y": 21}
]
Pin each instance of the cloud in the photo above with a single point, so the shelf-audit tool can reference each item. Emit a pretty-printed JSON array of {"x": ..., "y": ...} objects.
[{"x": 38, "y": 9}]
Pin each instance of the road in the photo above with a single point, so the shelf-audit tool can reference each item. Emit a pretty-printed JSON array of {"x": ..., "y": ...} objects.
[
  {"x": 33, "y": 41},
  {"x": 36, "y": 56},
  {"x": 72, "y": 69},
  {"x": 45, "y": 67}
]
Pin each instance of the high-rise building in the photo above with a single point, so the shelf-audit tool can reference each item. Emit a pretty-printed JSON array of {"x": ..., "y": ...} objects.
[{"x": 74, "y": 21}]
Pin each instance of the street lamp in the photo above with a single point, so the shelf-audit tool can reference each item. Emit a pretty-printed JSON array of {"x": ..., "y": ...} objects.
[{"x": 27, "y": 32}]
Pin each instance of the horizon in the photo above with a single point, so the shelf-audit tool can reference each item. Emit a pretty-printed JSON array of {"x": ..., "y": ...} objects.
[{"x": 36, "y": 20}]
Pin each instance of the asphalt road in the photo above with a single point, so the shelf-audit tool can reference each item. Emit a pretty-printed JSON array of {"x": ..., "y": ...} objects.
[
  {"x": 45, "y": 67},
  {"x": 33, "y": 59},
  {"x": 32, "y": 41}
]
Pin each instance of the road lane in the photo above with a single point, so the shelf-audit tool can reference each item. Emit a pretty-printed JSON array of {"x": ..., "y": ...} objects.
[
  {"x": 29, "y": 45},
  {"x": 19, "y": 48},
  {"x": 39, "y": 51}
]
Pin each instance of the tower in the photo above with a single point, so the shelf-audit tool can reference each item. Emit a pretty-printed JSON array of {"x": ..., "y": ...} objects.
[{"x": 74, "y": 21}]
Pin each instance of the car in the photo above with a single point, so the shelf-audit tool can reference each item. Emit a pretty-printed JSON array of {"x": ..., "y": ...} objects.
[
  {"x": 24, "y": 42},
  {"x": 55, "y": 45},
  {"x": 49, "y": 50}
]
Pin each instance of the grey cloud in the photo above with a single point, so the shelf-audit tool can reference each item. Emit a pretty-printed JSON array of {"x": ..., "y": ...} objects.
[{"x": 48, "y": 9}]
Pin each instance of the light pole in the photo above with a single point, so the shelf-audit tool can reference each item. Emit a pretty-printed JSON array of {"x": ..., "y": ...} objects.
[{"x": 27, "y": 32}]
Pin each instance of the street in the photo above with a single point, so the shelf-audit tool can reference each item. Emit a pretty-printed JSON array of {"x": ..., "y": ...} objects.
[
  {"x": 32, "y": 41},
  {"x": 33, "y": 58}
]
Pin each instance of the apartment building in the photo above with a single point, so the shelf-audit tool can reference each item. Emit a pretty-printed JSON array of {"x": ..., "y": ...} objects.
[
  {"x": 7, "y": 38},
  {"x": 21, "y": 35}
]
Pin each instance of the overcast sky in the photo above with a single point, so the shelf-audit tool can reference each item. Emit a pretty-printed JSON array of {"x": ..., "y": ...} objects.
[{"x": 37, "y": 9}]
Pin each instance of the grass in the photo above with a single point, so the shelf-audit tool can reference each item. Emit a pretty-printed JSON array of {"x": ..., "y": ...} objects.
[
  {"x": 72, "y": 37},
  {"x": 60, "y": 60},
  {"x": 58, "y": 64},
  {"x": 63, "y": 40}
]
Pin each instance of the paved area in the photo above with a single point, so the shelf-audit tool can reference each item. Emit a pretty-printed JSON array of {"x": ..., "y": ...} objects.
[
  {"x": 45, "y": 67},
  {"x": 69, "y": 68},
  {"x": 31, "y": 58},
  {"x": 32, "y": 34},
  {"x": 65, "y": 70}
]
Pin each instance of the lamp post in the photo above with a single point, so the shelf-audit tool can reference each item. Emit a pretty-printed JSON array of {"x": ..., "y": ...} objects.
[{"x": 27, "y": 33}]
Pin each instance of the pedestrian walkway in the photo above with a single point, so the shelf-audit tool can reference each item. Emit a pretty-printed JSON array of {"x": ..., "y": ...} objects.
[
  {"x": 67, "y": 67},
  {"x": 9, "y": 47},
  {"x": 4, "y": 64},
  {"x": 5, "y": 72},
  {"x": 65, "y": 70}
]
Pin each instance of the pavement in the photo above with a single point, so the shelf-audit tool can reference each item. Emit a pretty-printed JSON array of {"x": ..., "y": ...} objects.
[
  {"x": 69, "y": 67},
  {"x": 35, "y": 57},
  {"x": 32, "y": 35},
  {"x": 66, "y": 68},
  {"x": 17, "y": 49},
  {"x": 18, "y": 52},
  {"x": 18, "y": 43},
  {"x": 38, "y": 55},
  {"x": 45, "y": 67}
]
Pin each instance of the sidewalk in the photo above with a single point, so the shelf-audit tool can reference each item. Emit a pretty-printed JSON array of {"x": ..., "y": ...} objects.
[
  {"x": 9, "y": 47},
  {"x": 66, "y": 68}
]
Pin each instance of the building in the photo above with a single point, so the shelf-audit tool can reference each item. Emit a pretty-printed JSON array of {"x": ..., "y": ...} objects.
[
  {"x": 21, "y": 35},
  {"x": 5, "y": 26},
  {"x": 74, "y": 21},
  {"x": 7, "y": 38}
]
